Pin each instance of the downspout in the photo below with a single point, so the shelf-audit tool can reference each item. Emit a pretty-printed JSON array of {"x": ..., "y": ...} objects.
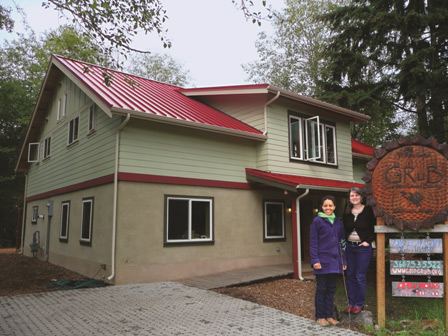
[
  {"x": 114, "y": 218},
  {"x": 24, "y": 215},
  {"x": 299, "y": 244},
  {"x": 266, "y": 112}
]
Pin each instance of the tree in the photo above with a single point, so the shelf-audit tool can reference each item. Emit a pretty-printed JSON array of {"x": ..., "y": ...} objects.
[
  {"x": 292, "y": 58},
  {"x": 159, "y": 67},
  {"x": 399, "y": 48}
]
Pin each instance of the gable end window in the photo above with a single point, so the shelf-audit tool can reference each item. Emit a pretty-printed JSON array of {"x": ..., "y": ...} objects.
[
  {"x": 86, "y": 221},
  {"x": 274, "y": 220},
  {"x": 65, "y": 218},
  {"x": 33, "y": 151},
  {"x": 47, "y": 147},
  {"x": 73, "y": 130},
  {"x": 92, "y": 119},
  {"x": 312, "y": 140},
  {"x": 188, "y": 220}
]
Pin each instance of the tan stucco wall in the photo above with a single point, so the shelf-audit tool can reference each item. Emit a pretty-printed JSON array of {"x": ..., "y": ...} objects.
[
  {"x": 238, "y": 225},
  {"x": 72, "y": 255}
]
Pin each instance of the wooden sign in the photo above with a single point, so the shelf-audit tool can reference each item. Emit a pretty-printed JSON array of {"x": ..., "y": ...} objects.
[
  {"x": 430, "y": 290},
  {"x": 415, "y": 246},
  {"x": 407, "y": 183},
  {"x": 416, "y": 267}
]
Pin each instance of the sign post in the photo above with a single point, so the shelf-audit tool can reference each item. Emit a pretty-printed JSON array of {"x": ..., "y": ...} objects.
[{"x": 381, "y": 275}]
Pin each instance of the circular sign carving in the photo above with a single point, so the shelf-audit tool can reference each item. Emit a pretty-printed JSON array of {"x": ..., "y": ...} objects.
[{"x": 407, "y": 183}]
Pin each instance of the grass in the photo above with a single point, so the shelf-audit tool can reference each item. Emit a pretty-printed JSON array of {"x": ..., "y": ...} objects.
[{"x": 403, "y": 314}]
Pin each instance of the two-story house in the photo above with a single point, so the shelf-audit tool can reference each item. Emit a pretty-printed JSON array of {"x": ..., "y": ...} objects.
[{"x": 158, "y": 182}]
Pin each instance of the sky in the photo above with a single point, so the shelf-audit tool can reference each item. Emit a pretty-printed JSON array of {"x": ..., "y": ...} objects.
[{"x": 210, "y": 38}]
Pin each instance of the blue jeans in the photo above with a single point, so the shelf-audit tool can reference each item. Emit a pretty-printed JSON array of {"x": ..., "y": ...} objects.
[
  {"x": 358, "y": 259},
  {"x": 326, "y": 286}
]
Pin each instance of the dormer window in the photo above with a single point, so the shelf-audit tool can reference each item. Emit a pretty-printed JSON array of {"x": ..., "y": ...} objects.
[{"x": 312, "y": 140}]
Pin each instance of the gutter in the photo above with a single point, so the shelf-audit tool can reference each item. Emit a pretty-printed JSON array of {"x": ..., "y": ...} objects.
[
  {"x": 265, "y": 112},
  {"x": 299, "y": 245},
  {"x": 22, "y": 244},
  {"x": 114, "y": 220}
]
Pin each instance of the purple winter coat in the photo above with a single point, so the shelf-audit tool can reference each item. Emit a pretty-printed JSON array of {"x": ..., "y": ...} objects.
[{"x": 325, "y": 242}]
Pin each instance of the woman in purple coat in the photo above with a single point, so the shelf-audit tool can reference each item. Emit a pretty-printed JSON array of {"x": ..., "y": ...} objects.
[{"x": 327, "y": 258}]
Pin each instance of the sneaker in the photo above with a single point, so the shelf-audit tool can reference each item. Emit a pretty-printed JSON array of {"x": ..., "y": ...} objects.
[
  {"x": 356, "y": 310},
  {"x": 348, "y": 309},
  {"x": 323, "y": 322},
  {"x": 332, "y": 321}
]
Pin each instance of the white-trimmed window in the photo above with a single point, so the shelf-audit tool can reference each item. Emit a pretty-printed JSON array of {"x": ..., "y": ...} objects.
[
  {"x": 274, "y": 220},
  {"x": 92, "y": 119},
  {"x": 188, "y": 219},
  {"x": 73, "y": 130},
  {"x": 64, "y": 106},
  {"x": 87, "y": 221},
  {"x": 33, "y": 152},
  {"x": 59, "y": 111},
  {"x": 47, "y": 147},
  {"x": 34, "y": 214},
  {"x": 312, "y": 140},
  {"x": 65, "y": 219}
]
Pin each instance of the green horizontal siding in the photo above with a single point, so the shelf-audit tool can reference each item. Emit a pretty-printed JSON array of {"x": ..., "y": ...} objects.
[
  {"x": 161, "y": 149},
  {"x": 91, "y": 157}
]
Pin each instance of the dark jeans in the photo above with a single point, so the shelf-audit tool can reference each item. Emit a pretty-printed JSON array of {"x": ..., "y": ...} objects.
[
  {"x": 358, "y": 259},
  {"x": 326, "y": 285}
]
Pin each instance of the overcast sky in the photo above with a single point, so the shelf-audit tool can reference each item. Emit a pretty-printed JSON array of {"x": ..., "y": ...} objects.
[{"x": 210, "y": 38}]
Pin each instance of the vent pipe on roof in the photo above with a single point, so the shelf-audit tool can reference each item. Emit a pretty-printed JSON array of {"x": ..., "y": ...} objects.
[
  {"x": 266, "y": 112},
  {"x": 114, "y": 220}
]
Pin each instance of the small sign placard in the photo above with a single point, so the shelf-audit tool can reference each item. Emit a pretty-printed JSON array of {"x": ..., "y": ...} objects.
[
  {"x": 430, "y": 290},
  {"x": 416, "y": 267},
  {"x": 415, "y": 245}
]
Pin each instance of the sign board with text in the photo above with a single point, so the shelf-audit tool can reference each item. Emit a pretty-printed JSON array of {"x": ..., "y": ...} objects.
[
  {"x": 416, "y": 267},
  {"x": 415, "y": 246},
  {"x": 429, "y": 290}
]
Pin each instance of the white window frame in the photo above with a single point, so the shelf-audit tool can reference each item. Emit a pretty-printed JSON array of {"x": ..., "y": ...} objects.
[
  {"x": 266, "y": 220},
  {"x": 73, "y": 132},
  {"x": 190, "y": 201},
  {"x": 298, "y": 151},
  {"x": 334, "y": 145},
  {"x": 58, "y": 112},
  {"x": 47, "y": 148},
  {"x": 83, "y": 239},
  {"x": 311, "y": 126},
  {"x": 64, "y": 223},
  {"x": 33, "y": 147},
  {"x": 91, "y": 124},
  {"x": 64, "y": 105},
  {"x": 34, "y": 214}
]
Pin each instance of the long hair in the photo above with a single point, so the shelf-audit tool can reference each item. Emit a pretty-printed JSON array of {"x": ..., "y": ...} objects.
[{"x": 349, "y": 206}]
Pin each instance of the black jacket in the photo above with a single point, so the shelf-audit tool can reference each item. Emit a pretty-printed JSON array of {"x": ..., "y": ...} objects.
[{"x": 364, "y": 225}]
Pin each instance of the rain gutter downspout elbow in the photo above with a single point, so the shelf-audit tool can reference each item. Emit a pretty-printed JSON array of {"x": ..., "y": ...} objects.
[
  {"x": 115, "y": 206},
  {"x": 299, "y": 245},
  {"x": 265, "y": 112}
]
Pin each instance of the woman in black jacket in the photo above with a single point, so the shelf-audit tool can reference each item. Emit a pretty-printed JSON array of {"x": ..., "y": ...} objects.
[{"x": 359, "y": 222}]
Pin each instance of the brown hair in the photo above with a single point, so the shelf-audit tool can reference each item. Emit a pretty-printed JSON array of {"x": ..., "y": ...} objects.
[{"x": 349, "y": 206}]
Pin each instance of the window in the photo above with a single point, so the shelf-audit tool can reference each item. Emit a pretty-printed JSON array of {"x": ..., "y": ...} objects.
[
  {"x": 274, "y": 220},
  {"x": 33, "y": 152},
  {"x": 92, "y": 119},
  {"x": 47, "y": 147},
  {"x": 65, "y": 215},
  {"x": 73, "y": 130},
  {"x": 64, "y": 105},
  {"x": 34, "y": 214},
  {"x": 312, "y": 140},
  {"x": 189, "y": 220},
  {"x": 87, "y": 221},
  {"x": 58, "y": 115}
]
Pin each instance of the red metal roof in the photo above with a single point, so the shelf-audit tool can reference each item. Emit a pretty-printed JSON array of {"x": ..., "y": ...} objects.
[
  {"x": 359, "y": 147},
  {"x": 296, "y": 181},
  {"x": 148, "y": 96}
]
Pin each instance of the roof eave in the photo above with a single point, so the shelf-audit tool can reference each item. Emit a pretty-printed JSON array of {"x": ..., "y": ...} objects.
[{"x": 189, "y": 124}]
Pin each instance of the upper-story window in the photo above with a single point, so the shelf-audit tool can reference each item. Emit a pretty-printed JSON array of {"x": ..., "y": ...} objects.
[
  {"x": 312, "y": 140},
  {"x": 47, "y": 147},
  {"x": 62, "y": 107},
  {"x": 92, "y": 119},
  {"x": 73, "y": 130}
]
